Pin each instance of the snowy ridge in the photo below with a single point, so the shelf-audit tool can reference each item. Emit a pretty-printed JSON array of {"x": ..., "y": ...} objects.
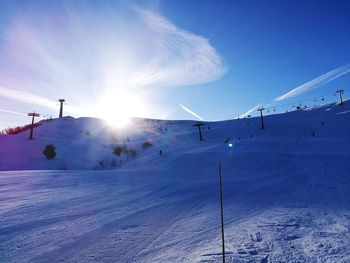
[{"x": 286, "y": 191}]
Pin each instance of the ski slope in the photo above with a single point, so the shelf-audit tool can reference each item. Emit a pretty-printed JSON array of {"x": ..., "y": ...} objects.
[{"x": 286, "y": 191}]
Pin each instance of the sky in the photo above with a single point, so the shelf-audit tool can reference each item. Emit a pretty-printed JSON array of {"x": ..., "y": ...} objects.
[{"x": 184, "y": 59}]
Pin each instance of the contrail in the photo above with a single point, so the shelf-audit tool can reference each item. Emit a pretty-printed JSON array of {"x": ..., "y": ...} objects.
[
  {"x": 190, "y": 112},
  {"x": 317, "y": 82},
  {"x": 25, "y": 97},
  {"x": 13, "y": 112}
]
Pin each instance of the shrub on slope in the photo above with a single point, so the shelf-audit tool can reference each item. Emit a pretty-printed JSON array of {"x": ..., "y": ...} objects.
[{"x": 49, "y": 151}]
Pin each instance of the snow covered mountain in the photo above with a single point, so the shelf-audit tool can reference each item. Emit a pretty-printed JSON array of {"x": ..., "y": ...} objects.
[{"x": 286, "y": 190}]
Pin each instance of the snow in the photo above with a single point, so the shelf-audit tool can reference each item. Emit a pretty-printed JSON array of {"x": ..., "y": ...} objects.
[{"x": 286, "y": 192}]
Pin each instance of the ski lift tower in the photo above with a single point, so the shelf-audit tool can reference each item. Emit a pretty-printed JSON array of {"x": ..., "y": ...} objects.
[
  {"x": 199, "y": 125},
  {"x": 33, "y": 115},
  {"x": 341, "y": 92},
  {"x": 261, "y": 117},
  {"x": 61, "y": 107}
]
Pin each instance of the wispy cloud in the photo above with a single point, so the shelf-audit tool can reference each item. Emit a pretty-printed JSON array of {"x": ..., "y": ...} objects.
[
  {"x": 79, "y": 52},
  {"x": 190, "y": 112},
  {"x": 182, "y": 58},
  {"x": 317, "y": 82}
]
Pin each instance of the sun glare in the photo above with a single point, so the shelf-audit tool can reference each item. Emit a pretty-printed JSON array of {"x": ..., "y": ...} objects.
[{"x": 117, "y": 108}]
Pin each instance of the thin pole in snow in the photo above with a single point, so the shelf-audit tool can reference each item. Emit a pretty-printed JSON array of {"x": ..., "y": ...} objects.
[
  {"x": 199, "y": 125},
  {"x": 222, "y": 217}
]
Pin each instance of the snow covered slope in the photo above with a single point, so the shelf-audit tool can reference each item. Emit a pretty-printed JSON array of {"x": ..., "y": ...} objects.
[{"x": 286, "y": 191}]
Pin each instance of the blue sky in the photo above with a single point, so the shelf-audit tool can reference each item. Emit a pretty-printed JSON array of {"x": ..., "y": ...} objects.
[{"x": 217, "y": 59}]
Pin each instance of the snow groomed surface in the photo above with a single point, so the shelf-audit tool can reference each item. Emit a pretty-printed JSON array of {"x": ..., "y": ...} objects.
[{"x": 286, "y": 191}]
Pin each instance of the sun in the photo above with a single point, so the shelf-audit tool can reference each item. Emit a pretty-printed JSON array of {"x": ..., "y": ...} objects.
[{"x": 118, "y": 107}]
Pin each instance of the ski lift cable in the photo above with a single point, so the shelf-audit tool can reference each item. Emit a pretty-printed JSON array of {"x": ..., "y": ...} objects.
[{"x": 299, "y": 102}]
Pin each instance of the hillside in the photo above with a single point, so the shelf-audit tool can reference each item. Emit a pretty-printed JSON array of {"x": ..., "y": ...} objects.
[{"x": 286, "y": 190}]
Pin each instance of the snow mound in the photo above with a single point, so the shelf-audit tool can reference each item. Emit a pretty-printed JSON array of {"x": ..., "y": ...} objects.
[{"x": 286, "y": 191}]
